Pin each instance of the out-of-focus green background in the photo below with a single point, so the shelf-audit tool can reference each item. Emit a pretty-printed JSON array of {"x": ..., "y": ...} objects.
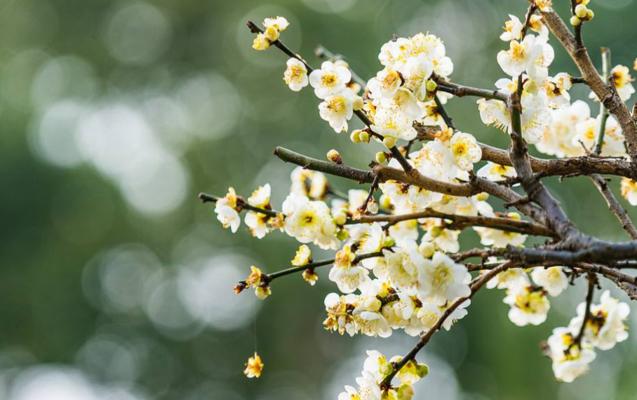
[{"x": 115, "y": 282}]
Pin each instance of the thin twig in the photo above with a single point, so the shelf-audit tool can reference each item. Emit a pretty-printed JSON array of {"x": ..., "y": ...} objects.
[
  {"x": 505, "y": 224},
  {"x": 274, "y": 275},
  {"x": 587, "y": 311},
  {"x": 615, "y": 206},
  {"x": 241, "y": 204},
  {"x": 603, "y": 112}
]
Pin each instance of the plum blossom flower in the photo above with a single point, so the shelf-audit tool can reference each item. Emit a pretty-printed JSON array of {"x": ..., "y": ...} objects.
[
  {"x": 529, "y": 305},
  {"x": 338, "y": 108},
  {"x": 226, "y": 210},
  {"x": 629, "y": 190},
  {"x": 309, "y": 221},
  {"x": 512, "y": 29},
  {"x": 607, "y": 323},
  {"x": 303, "y": 256},
  {"x": 257, "y": 221},
  {"x": 330, "y": 80},
  {"x": 500, "y": 238},
  {"x": 443, "y": 280},
  {"x": 254, "y": 366},
  {"x": 552, "y": 279},
  {"x": 295, "y": 75},
  {"x": 570, "y": 359},
  {"x": 510, "y": 278},
  {"x": 347, "y": 277},
  {"x": 496, "y": 172},
  {"x": 465, "y": 150}
]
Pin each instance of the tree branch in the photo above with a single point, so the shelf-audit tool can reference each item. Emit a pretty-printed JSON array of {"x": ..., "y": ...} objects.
[
  {"x": 501, "y": 223},
  {"x": 274, "y": 275},
  {"x": 603, "y": 112},
  {"x": 569, "y": 166},
  {"x": 587, "y": 310},
  {"x": 462, "y": 90},
  {"x": 614, "y": 205}
]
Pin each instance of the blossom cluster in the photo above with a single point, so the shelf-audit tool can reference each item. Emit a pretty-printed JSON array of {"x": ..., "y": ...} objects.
[
  {"x": 550, "y": 121},
  {"x": 375, "y": 368},
  {"x": 572, "y": 348},
  {"x": 395, "y": 272}
]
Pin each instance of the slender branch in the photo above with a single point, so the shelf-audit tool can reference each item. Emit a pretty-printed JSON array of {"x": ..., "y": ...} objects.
[
  {"x": 578, "y": 28},
  {"x": 342, "y": 170},
  {"x": 607, "y": 94},
  {"x": 462, "y": 90},
  {"x": 370, "y": 195},
  {"x": 443, "y": 113},
  {"x": 385, "y": 173},
  {"x": 527, "y": 18},
  {"x": 569, "y": 166},
  {"x": 424, "y": 339},
  {"x": 534, "y": 188},
  {"x": 241, "y": 204},
  {"x": 505, "y": 224},
  {"x": 594, "y": 252},
  {"x": 603, "y": 112},
  {"x": 254, "y": 28},
  {"x": 518, "y": 153},
  {"x": 274, "y": 275},
  {"x": 577, "y": 79},
  {"x": 615, "y": 206},
  {"x": 587, "y": 312}
]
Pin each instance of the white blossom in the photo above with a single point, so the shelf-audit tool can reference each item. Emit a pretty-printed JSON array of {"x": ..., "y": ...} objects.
[
  {"x": 570, "y": 359},
  {"x": 529, "y": 305},
  {"x": 552, "y": 279},
  {"x": 444, "y": 280},
  {"x": 330, "y": 80},
  {"x": 309, "y": 221},
  {"x": 295, "y": 75}
]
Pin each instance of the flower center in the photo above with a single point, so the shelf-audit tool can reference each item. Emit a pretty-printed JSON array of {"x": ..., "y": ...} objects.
[{"x": 328, "y": 80}]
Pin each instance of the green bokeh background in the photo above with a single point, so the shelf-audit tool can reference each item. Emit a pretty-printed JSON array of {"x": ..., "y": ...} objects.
[{"x": 115, "y": 281}]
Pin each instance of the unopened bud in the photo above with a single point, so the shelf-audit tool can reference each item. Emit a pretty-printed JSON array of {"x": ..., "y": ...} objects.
[
  {"x": 310, "y": 276},
  {"x": 364, "y": 137},
  {"x": 334, "y": 156},
  {"x": 431, "y": 85},
  {"x": 260, "y": 42},
  {"x": 427, "y": 249},
  {"x": 389, "y": 141},
  {"x": 581, "y": 11},
  {"x": 381, "y": 158},
  {"x": 575, "y": 21},
  {"x": 389, "y": 242},
  {"x": 385, "y": 202},
  {"x": 340, "y": 218},
  {"x": 240, "y": 287},
  {"x": 590, "y": 14},
  {"x": 483, "y": 196},
  {"x": 372, "y": 206},
  {"x": 342, "y": 234},
  {"x": 271, "y": 33},
  {"x": 355, "y": 136}
]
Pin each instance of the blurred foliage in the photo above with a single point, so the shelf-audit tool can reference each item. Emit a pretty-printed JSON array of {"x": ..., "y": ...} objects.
[{"x": 115, "y": 283}]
